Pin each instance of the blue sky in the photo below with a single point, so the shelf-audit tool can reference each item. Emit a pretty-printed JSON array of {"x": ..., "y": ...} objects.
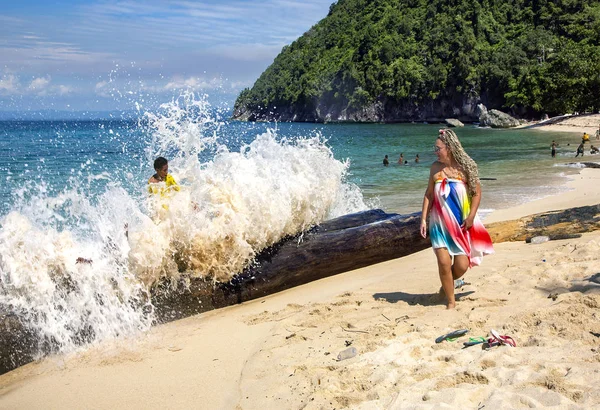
[{"x": 107, "y": 55}]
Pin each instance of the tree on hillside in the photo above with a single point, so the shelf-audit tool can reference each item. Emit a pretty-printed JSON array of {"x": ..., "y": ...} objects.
[{"x": 402, "y": 56}]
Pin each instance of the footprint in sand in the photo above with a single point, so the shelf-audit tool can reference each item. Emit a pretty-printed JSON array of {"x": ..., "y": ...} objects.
[{"x": 268, "y": 316}]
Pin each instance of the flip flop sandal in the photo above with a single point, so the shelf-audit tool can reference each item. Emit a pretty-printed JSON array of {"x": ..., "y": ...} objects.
[
  {"x": 503, "y": 340},
  {"x": 474, "y": 341},
  {"x": 491, "y": 342},
  {"x": 459, "y": 283},
  {"x": 452, "y": 335}
]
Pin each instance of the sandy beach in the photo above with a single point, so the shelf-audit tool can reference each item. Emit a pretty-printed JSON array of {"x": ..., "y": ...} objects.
[
  {"x": 576, "y": 124},
  {"x": 281, "y": 352}
]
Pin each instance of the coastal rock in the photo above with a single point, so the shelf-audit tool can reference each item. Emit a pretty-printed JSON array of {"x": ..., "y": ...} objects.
[
  {"x": 480, "y": 110},
  {"x": 586, "y": 164},
  {"x": 497, "y": 119},
  {"x": 462, "y": 109},
  {"x": 453, "y": 122}
]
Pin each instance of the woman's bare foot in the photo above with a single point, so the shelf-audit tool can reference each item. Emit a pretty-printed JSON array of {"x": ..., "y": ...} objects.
[{"x": 451, "y": 305}]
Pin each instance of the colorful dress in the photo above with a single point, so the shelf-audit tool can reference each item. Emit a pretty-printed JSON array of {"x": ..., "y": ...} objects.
[{"x": 451, "y": 205}]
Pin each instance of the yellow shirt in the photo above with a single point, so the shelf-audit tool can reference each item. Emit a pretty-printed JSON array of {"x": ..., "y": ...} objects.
[{"x": 164, "y": 191}]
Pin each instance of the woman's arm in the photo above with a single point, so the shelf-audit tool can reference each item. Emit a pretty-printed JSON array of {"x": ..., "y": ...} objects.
[
  {"x": 475, "y": 201},
  {"x": 427, "y": 201}
]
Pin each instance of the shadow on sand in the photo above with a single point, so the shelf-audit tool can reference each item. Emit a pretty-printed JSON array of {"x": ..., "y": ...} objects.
[{"x": 422, "y": 299}]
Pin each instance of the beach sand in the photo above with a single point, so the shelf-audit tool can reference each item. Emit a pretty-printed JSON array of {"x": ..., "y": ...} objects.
[
  {"x": 280, "y": 352},
  {"x": 576, "y": 124}
]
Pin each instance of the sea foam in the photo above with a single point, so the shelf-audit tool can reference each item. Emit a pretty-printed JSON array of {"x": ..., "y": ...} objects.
[{"x": 79, "y": 267}]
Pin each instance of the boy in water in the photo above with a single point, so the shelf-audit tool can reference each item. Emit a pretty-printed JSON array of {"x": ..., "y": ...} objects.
[{"x": 161, "y": 166}]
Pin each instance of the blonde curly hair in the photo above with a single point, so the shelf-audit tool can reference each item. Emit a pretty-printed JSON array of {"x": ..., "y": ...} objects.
[{"x": 449, "y": 138}]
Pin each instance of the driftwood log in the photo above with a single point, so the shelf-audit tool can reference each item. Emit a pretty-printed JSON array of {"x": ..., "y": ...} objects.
[
  {"x": 339, "y": 245},
  {"x": 554, "y": 224},
  {"x": 336, "y": 246}
]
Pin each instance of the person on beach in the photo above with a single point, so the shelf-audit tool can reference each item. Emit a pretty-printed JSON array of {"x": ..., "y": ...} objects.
[
  {"x": 579, "y": 150},
  {"x": 585, "y": 138},
  {"x": 598, "y": 132},
  {"x": 553, "y": 149},
  {"x": 451, "y": 200},
  {"x": 401, "y": 159},
  {"x": 417, "y": 159},
  {"x": 386, "y": 161},
  {"x": 594, "y": 150}
]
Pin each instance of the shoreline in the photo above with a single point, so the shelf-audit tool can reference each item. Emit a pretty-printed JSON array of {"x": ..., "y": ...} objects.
[
  {"x": 583, "y": 189},
  {"x": 588, "y": 123},
  {"x": 282, "y": 348}
]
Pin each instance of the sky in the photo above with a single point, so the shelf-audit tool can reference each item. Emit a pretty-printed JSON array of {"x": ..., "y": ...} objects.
[{"x": 117, "y": 55}]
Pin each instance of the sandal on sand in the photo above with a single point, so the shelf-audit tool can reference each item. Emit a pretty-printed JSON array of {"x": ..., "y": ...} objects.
[
  {"x": 502, "y": 340},
  {"x": 459, "y": 283},
  {"x": 475, "y": 341},
  {"x": 452, "y": 335},
  {"x": 491, "y": 342}
]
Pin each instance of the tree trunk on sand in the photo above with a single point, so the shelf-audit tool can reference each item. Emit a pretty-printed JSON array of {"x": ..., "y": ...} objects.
[
  {"x": 555, "y": 224},
  {"x": 18, "y": 344},
  {"x": 342, "y": 244}
]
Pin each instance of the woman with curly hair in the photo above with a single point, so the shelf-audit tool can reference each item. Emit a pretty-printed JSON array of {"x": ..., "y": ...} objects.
[{"x": 451, "y": 200}]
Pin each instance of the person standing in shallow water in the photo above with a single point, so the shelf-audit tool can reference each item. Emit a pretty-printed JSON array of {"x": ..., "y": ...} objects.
[
  {"x": 458, "y": 238},
  {"x": 386, "y": 161}
]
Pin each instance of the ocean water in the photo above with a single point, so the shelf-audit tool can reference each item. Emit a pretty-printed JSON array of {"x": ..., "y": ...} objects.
[{"x": 76, "y": 190}]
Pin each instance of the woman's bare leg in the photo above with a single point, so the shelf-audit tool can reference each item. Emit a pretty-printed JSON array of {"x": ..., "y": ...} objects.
[
  {"x": 445, "y": 269},
  {"x": 460, "y": 266}
]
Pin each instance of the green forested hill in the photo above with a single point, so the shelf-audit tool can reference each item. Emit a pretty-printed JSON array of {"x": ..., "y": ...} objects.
[{"x": 403, "y": 60}]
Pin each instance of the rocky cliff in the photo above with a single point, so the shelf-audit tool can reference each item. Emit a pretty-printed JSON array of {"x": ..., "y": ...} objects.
[{"x": 428, "y": 60}]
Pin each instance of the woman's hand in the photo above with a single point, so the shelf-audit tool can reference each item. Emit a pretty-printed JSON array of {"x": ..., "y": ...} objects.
[
  {"x": 467, "y": 223},
  {"x": 423, "y": 228}
]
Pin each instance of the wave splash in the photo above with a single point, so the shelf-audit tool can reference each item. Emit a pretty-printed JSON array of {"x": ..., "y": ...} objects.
[{"x": 79, "y": 266}]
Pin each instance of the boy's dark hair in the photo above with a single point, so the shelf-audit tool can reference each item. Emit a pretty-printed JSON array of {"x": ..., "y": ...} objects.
[{"x": 160, "y": 162}]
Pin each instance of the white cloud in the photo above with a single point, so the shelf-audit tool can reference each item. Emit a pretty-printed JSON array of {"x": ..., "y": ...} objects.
[
  {"x": 102, "y": 89},
  {"x": 191, "y": 83},
  {"x": 101, "y": 85},
  {"x": 9, "y": 84},
  {"x": 65, "y": 89},
  {"x": 198, "y": 45},
  {"x": 39, "y": 85}
]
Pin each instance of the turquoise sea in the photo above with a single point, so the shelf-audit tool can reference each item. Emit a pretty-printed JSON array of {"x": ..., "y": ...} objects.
[
  {"x": 48, "y": 155},
  {"x": 77, "y": 189}
]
